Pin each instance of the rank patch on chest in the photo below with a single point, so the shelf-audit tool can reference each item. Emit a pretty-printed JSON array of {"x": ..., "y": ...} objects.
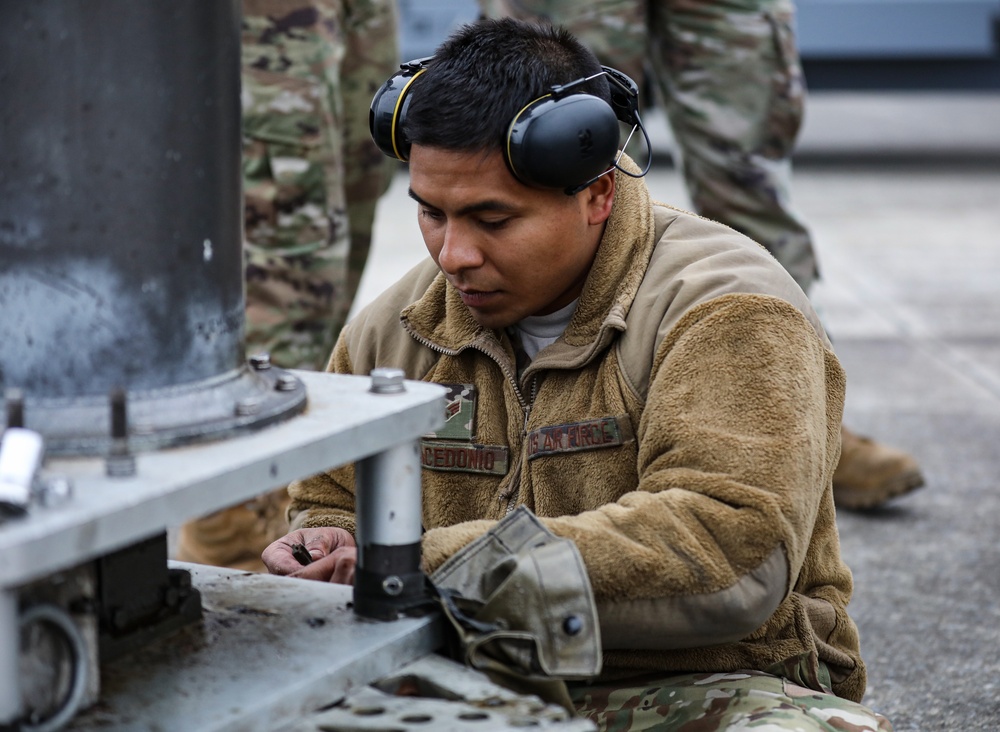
[
  {"x": 592, "y": 434},
  {"x": 463, "y": 457},
  {"x": 459, "y": 414}
]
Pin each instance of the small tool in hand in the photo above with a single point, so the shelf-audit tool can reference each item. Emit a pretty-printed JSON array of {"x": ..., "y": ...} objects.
[{"x": 302, "y": 554}]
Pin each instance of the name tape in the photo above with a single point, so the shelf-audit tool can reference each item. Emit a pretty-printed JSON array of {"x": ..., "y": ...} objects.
[
  {"x": 592, "y": 434},
  {"x": 464, "y": 457}
]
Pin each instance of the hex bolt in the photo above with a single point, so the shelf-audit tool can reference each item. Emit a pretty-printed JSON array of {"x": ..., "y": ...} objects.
[
  {"x": 54, "y": 490},
  {"x": 260, "y": 361},
  {"x": 286, "y": 382},
  {"x": 392, "y": 585},
  {"x": 247, "y": 406},
  {"x": 387, "y": 381}
]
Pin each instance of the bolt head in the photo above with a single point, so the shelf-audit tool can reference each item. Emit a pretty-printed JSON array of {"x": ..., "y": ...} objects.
[
  {"x": 247, "y": 407},
  {"x": 286, "y": 382},
  {"x": 260, "y": 361},
  {"x": 55, "y": 490},
  {"x": 392, "y": 585},
  {"x": 387, "y": 381},
  {"x": 119, "y": 464}
]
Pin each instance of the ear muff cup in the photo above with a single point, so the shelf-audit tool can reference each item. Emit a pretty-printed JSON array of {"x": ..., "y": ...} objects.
[
  {"x": 387, "y": 111},
  {"x": 560, "y": 143}
]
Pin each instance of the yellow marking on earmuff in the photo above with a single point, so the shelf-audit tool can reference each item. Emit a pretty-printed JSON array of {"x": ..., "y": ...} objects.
[
  {"x": 395, "y": 113},
  {"x": 514, "y": 122}
]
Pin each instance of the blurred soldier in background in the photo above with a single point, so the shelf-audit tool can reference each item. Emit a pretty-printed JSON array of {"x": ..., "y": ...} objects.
[
  {"x": 729, "y": 78},
  {"x": 312, "y": 176},
  {"x": 311, "y": 179}
]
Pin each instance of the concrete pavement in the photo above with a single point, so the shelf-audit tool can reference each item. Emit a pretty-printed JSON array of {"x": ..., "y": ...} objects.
[
  {"x": 911, "y": 261},
  {"x": 910, "y": 251},
  {"x": 885, "y": 126}
]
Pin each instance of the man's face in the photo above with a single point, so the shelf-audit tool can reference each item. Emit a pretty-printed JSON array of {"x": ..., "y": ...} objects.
[{"x": 510, "y": 250}]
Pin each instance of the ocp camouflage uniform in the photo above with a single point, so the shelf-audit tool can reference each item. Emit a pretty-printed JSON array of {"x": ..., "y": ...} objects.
[
  {"x": 729, "y": 77},
  {"x": 311, "y": 177},
  {"x": 743, "y": 700}
]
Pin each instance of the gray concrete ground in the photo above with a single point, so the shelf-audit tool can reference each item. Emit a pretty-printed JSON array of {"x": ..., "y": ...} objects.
[
  {"x": 908, "y": 234},
  {"x": 887, "y": 125}
]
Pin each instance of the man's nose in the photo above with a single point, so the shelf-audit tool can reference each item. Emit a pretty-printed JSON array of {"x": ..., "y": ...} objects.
[{"x": 460, "y": 250}]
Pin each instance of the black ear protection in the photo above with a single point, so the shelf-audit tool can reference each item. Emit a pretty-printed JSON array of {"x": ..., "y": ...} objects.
[
  {"x": 385, "y": 119},
  {"x": 560, "y": 140}
]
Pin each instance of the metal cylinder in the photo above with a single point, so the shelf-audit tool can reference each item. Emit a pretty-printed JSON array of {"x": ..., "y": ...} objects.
[
  {"x": 388, "y": 580},
  {"x": 120, "y": 221}
]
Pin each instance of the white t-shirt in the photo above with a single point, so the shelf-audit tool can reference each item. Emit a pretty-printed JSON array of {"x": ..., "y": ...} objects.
[{"x": 538, "y": 331}]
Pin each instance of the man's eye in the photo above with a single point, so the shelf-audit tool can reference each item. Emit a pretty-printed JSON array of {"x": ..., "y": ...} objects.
[
  {"x": 431, "y": 214},
  {"x": 494, "y": 225}
]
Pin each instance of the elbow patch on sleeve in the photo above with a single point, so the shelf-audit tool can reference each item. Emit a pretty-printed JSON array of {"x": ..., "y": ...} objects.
[{"x": 687, "y": 621}]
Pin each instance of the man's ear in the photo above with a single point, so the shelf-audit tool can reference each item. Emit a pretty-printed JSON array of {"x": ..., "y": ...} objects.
[{"x": 599, "y": 196}]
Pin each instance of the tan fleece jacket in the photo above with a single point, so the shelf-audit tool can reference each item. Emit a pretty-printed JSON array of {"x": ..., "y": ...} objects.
[{"x": 683, "y": 432}]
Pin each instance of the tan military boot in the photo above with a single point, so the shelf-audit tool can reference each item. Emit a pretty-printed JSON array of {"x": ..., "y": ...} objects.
[
  {"x": 235, "y": 537},
  {"x": 869, "y": 473}
]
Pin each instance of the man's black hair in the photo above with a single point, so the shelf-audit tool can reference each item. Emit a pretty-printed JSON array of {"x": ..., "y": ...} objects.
[{"x": 484, "y": 74}]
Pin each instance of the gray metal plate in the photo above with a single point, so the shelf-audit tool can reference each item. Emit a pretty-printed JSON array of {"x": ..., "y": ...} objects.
[
  {"x": 342, "y": 422},
  {"x": 268, "y": 650}
]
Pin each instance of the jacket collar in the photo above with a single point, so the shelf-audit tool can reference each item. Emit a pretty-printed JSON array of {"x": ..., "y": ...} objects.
[{"x": 441, "y": 319}]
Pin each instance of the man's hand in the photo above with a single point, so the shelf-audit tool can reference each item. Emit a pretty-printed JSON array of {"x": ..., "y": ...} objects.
[{"x": 333, "y": 553}]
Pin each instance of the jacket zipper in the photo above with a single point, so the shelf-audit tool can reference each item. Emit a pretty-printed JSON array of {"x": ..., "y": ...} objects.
[{"x": 510, "y": 493}]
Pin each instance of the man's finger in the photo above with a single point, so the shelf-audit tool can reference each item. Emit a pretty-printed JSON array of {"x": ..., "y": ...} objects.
[
  {"x": 343, "y": 573},
  {"x": 321, "y": 569}
]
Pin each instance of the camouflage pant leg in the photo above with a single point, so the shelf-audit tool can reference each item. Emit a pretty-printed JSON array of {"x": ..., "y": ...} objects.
[
  {"x": 744, "y": 700},
  {"x": 295, "y": 233},
  {"x": 615, "y": 30},
  {"x": 372, "y": 57},
  {"x": 308, "y": 70},
  {"x": 731, "y": 82}
]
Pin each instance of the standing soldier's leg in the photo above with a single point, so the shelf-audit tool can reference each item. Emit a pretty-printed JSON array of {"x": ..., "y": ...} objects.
[
  {"x": 615, "y": 30},
  {"x": 372, "y": 56},
  {"x": 296, "y": 232},
  {"x": 731, "y": 81}
]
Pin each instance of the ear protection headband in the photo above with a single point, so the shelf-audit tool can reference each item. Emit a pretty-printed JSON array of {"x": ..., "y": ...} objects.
[{"x": 560, "y": 140}]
